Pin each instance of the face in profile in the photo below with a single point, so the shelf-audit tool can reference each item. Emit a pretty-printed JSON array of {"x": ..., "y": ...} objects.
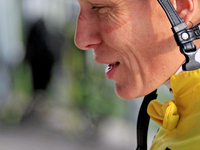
[{"x": 134, "y": 39}]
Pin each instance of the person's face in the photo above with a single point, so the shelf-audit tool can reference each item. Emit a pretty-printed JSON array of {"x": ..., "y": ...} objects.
[{"x": 134, "y": 38}]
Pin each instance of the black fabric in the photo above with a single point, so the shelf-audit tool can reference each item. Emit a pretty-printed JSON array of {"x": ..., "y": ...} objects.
[{"x": 143, "y": 122}]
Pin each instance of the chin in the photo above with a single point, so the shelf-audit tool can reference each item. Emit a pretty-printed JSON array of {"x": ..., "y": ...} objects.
[
  {"x": 126, "y": 94},
  {"x": 131, "y": 92}
]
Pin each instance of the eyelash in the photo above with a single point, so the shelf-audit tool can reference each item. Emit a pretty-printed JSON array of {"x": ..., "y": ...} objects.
[{"x": 97, "y": 8}]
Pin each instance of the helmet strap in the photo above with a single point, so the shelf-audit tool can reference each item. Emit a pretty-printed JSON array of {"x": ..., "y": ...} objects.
[
  {"x": 143, "y": 121},
  {"x": 184, "y": 37}
]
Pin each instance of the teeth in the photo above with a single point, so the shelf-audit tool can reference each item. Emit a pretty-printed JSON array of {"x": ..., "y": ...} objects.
[{"x": 110, "y": 66}]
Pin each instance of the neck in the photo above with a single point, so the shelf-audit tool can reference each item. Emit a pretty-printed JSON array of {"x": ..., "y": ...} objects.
[{"x": 167, "y": 83}]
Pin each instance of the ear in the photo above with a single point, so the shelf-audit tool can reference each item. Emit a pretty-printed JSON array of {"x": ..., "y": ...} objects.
[{"x": 185, "y": 9}]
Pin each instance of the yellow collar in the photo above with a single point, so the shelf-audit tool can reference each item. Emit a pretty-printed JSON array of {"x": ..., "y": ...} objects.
[
  {"x": 179, "y": 118},
  {"x": 185, "y": 83},
  {"x": 186, "y": 87}
]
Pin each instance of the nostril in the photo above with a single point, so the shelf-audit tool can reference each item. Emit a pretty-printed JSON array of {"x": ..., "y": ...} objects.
[{"x": 89, "y": 46}]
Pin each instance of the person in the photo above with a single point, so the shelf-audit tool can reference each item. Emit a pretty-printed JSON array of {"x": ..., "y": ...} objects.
[{"x": 134, "y": 39}]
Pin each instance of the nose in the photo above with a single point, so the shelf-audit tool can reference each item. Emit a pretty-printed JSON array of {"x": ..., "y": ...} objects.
[{"x": 87, "y": 32}]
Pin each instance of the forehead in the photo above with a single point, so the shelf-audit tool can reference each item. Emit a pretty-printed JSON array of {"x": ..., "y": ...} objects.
[{"x": 101, "y": 1}]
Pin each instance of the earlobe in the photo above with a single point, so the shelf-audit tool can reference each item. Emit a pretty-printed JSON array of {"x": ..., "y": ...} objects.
[{"x": 185, "y": 9}]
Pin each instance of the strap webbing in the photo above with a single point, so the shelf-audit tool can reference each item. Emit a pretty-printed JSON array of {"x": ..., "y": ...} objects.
[
  {"x": 143, "y": 122},
  {"x": 171, "y": 12},
  {"x": 184, "y": 37}
]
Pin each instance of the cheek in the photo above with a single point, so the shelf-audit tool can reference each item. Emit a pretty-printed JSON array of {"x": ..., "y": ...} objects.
[
  {"x": 117, "y": 35},
  {"x": 109, "y": 28},
  {"x": 112, "y": 22}
]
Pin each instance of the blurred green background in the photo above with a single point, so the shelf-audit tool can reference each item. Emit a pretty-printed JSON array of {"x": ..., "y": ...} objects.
[{"x": 69, "y": 95}]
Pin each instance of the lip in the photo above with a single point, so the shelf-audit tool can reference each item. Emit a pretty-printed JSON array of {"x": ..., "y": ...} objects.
[{"x": 111, "y": 69}]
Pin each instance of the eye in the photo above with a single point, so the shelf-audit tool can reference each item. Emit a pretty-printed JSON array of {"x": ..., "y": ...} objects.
[
  {"x": 101, "y": 10},
  {"x": 97, "y": 8}
]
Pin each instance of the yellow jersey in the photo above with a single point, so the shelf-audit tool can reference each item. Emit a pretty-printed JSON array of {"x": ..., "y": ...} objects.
[{"x": 179, "y": 118}]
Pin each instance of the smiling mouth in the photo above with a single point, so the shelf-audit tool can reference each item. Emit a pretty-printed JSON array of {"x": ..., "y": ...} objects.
[{"x": 110, "y": 66}]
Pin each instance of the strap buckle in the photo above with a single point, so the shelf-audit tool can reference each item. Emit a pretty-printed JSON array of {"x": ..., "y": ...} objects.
[
  {"x": 189, "y": 50},
  {"x": 184, "y": 37}
]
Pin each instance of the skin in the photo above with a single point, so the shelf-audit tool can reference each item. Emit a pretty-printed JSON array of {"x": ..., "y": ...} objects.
[{"x": 135, "y": 33}]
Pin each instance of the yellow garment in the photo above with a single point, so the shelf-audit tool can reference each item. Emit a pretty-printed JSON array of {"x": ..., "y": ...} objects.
[
  {"x": 165, "y": 115},
  {"x": 179, "y": 118}
]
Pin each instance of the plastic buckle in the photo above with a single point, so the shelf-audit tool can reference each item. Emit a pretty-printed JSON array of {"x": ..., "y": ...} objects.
[
  {"x": 189, "y": 50},
  {"x": 184, "y": 38},
  {"x": 183, "y": 35}
]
